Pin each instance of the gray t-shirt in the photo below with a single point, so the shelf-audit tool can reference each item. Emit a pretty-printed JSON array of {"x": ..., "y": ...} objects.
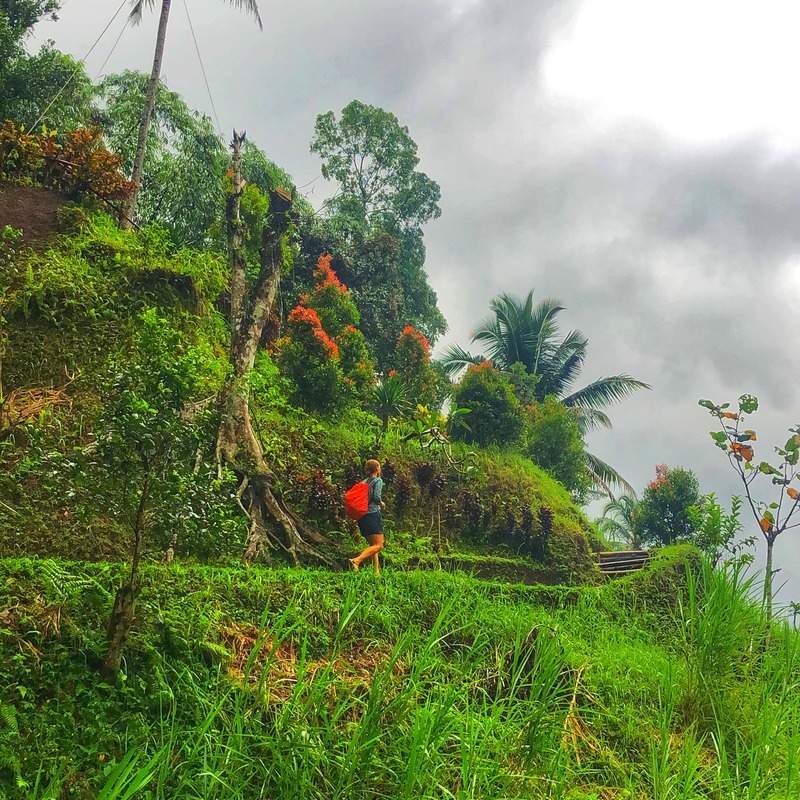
[{"x": 374, "y": 497}]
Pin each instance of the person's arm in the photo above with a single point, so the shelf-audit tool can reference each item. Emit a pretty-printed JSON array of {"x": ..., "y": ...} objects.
[{"x": 378, "y": 491}]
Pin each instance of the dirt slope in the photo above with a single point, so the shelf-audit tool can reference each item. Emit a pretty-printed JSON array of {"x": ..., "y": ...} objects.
[{"x": 30, "y": 208}]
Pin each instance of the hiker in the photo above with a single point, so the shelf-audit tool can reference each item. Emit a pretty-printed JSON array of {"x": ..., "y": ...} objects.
[{"x": 371, "y": 523}]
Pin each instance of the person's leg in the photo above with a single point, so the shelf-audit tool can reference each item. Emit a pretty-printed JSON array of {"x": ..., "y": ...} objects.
[
  {"x": 375, "y": 562},
  {"x": 375, "y": 546}
]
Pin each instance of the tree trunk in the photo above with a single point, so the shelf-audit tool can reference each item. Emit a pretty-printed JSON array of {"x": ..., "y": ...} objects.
[
  {"x": 236, "y": 440},
  {"x": 144, "y": 126},
  {"x": 124, "y": 611}
]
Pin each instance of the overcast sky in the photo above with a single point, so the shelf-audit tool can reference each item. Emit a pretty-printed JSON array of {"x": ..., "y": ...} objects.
[{"x": 640, "y": 161}]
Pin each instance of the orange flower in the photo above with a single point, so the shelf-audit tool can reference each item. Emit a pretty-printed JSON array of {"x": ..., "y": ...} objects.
[
  {"x": 746, "y": 452},
  {"x": 765, "y": 524},
  {"x": 730, "y": 415},
  {"x": 325, "y": 276},
  {"x": 102, "y": 757},
  {"x": 793, "y": 493}
]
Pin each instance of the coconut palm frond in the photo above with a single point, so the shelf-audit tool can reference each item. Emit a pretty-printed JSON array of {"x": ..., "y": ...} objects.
[
  {"x": 521, "y": 331},
  {"x": 137, "y": 10},
  {"x": 605, "y": 476},
  {"x": 493, "y": 338},
  {"x": 455, "y": 359},
  {"x": 562, "y": 367},
  {"x": 590, "y": 419},
  {"x": 249, "y": 7},
  {"x": 514, "y": 317},
  {"x": 605, "y": 391},
  {"x": 618, "y": 519}
]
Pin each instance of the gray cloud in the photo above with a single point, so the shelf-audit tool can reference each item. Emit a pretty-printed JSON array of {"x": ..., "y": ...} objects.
[{"x": 671, "y": 257}]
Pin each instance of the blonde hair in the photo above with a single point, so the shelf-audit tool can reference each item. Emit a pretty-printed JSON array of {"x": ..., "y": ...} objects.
[{"x": 372, "y": 467}]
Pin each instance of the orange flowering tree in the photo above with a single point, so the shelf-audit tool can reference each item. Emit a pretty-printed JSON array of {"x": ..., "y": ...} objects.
[
  {"x": 735, "y": 441},
  {"x": 413, "y": 365},
  {"x": 310, "y": 359},
  {"x": 339, "y": 319},
  {"x": 331, "y": 299}
]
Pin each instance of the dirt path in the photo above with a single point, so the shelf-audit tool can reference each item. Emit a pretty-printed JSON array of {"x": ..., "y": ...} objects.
[{"x": 30, "y": 208}]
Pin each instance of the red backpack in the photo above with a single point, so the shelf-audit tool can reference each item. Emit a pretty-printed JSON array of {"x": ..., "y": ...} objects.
[{"x": 356, "y": 501}]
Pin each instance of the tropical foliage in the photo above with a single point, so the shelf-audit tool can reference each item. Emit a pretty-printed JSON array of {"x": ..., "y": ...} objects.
[
  {"x": 554, "y": 442},
  {"x": 185, "y": 159},
  {"x": 777, "y": 516},
  {"x": 520, "y": 332},
  {"x": 75, "y": 163},
  {"x": 496, "y": 415},
  {"x": 30, "y": 82},
  {"x": 183, "y": 399},
  {"x": 663, "y": 516},
  {"x": 618, "y": 521}
]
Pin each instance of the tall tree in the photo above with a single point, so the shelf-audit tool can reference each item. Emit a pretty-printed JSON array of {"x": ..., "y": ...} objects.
[
  {"x": 185, "y": 160},
  {"x": 251, "y": 6},
  {"x": 18, "y": 17},
  {"x": 374, "y": 160},
  {"x": 374, "y": 223},
  {"x": 521, "y": 332},
  {"x": 251, "y": 305}
]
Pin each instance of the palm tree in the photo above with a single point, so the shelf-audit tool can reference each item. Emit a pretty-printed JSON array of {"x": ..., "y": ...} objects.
[
  {"x": 521, "y": 332},
  {"x": 251, "y": 6},
  {"x": 390, "y": 399},
  {"x": 617, "y": 521}
]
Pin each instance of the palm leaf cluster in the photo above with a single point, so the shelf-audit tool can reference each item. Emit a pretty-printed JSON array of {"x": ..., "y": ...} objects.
[
  {"x": 617, "y": 521},
  {"x": 248, "y": 6},
  {"x": 527, "y": 333}
]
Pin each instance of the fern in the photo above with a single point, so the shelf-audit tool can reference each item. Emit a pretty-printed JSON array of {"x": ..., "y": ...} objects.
[
  {"x": 65, "y": 585},
  {"x": 9, "y": 736}
]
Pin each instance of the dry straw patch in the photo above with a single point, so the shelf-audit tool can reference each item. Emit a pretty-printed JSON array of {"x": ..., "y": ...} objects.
[{"x": 355, "y": 665}]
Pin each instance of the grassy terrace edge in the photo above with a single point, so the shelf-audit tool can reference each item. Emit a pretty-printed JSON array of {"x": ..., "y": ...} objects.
[{"x": 312, "y": 684}]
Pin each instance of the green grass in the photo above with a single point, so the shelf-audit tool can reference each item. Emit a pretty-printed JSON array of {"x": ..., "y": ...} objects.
[{"x": 305, "y": 684}]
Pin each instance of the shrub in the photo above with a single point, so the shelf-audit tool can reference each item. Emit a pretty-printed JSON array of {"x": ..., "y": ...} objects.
[
  {"x": 496, "y": 417},
  {"x": 553, "y": 442},
  {"x": 331, "y": 300},
  {"x": 413, "y": 366},
  {"x": 663, "y": 516},
  {"x": 338, "y": 317},
  {"x": 75, "y": 163},
  {"x": 357, "y": 364},
  {"x": 310, "y": 360}
]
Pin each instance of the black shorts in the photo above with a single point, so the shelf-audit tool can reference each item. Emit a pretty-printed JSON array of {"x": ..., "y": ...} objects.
[{"x": 371, "y": 525}]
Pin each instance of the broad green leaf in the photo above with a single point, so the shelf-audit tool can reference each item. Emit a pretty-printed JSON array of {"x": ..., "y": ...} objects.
[{"x": 748, "y": 403}]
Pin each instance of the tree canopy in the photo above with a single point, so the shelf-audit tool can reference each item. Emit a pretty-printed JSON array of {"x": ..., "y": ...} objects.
[
  {"x": 374, "y": 160},
  {"x": 663, "y": 515},
  {"x": 47, "y": 86}
]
